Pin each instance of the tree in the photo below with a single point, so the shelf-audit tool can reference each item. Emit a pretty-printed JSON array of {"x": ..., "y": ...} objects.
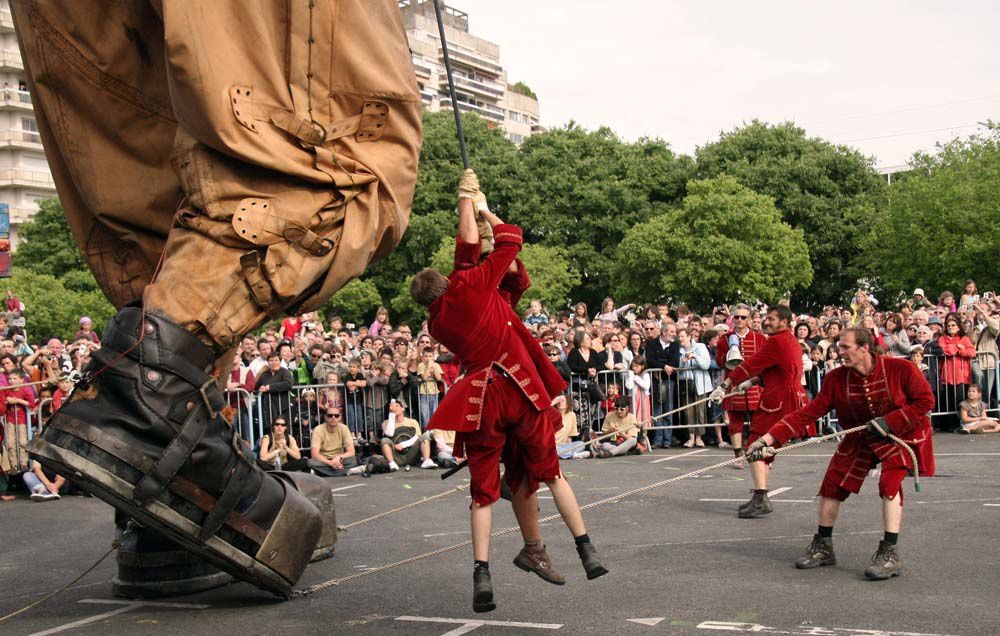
[
  {"x": 494, "y": 158},
  {"x": 825, "y": 190},
  {"x": 47, "y": 245},
  {"x": 552, "y": 274},
  {"x": 939, "y": 227},
  {"x": 356, "y": 301},
  {"x": 52, "y": 310},
  {"x": 524, "y": 89},
  {"x": 725, "y": 243},
  {"x": 583, "y": 190}
]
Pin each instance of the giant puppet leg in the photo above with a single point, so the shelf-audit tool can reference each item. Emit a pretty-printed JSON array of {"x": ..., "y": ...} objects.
[{"x": 264, "y": 169}]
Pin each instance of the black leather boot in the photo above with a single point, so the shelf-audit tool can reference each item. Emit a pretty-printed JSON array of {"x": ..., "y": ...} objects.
[
  {"x": 885, "y": 563},
  {"x": 145, "y": 435},
  {"x": 482, "y": 591},
  {"x": 819, "y": 553},
  {"x": 591, "y": 563},
  {"x": 759, "y": 506}
]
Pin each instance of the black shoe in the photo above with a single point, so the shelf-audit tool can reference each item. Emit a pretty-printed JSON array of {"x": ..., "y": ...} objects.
[
  {"x": 759, "y": 506},
  {"x": 145, "y": 434},
  {"x": 591, "y": 563},
  {"x": 746, "y": 504},
  {"x": 482, "y": 591},
  {"x": 885, "y": 563},
  {"x": 819, "y": 553}
]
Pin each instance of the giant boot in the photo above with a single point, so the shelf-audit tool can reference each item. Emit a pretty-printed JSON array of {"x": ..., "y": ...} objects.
[{"x": 144, "y": 434}]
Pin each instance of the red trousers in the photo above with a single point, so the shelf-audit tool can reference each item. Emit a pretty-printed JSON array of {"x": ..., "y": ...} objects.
[
  {"x": 511, "y": 429},
  {"x": 737, "y": 419},
  {"x": 855, "y": 456}
]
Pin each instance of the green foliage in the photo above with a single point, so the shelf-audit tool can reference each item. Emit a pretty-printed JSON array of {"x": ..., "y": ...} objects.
[
  {"x": 405, "y": 310},
  {"x": 53, "y": 310},
  {"x": 550, "y": 269},
  {"x": 46, "y": 243},
  {"x": 583, "y": 190},
  {"x": 825, "y": 190},
  {"x": 940, "y": 224},
  {"x": 355, "y": 302},
  {"x": 725, "y": 243},
  {"x": 524, "y": 89}
]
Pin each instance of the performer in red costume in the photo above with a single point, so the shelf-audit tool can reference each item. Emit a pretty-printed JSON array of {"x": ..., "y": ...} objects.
[
  {"x": 777, "y": 366},
  {"x": 740, "y": 408},
  {"x": 890, "y": 394},
  {"x": 502, "y": 406}
]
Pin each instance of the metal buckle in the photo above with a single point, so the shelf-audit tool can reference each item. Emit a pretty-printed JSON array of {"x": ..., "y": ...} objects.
[{"x": 212, "y": 413}]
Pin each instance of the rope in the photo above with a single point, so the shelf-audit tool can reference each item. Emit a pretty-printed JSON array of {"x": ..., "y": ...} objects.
[
  {"x": 401, "y": 508},
  {"x": 114, "y": 546},
  {"x": 312, "y": 589}
]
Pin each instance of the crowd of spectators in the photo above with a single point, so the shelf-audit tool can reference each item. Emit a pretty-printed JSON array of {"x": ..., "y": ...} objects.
[{"x": 336, "y": 398}]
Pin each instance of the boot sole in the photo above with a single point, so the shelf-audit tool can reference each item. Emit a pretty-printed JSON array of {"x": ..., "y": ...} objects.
[
  {"x": 872, "y": 577},
  {"x": 743, "y": 514},
  {"x": 480, "y": 606},
  {"x": 819, "y": 564},
  {"x": 117, "y": 492},
  {"x": 593, "y": 574},
  {"x": 534, "y": 571}
]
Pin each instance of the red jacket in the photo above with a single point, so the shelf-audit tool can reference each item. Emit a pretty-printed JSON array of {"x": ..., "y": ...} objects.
[
  {"x": 749, "y": 346},
  {"x": 475, "y": 320},
  {"x": 778, "y": 363},
  {"x": 895, "y": 390},
  {"x": 956, "y": 365}
]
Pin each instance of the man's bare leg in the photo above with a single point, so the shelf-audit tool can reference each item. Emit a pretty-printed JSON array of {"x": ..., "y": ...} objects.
[
  {"x": 566, "y": 504},
  {"x": 759, "y": 471},
  {"x": 892, "y": 513},
  {"x": 828, "y": 511},
  {"x": 482, "y": 527},
  {"x": 526, "y": 511}
]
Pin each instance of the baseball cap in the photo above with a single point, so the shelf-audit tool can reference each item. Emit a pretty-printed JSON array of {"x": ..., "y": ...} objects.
[{"x": 934, "y": 320}]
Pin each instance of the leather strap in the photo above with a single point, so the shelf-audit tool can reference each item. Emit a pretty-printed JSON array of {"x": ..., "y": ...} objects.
[
  {"x": 177, "y": 453},
  {"x": 143, "y": 463},
  {"x": 230, "y": 497},
  {"x": 260, "y": 287}
]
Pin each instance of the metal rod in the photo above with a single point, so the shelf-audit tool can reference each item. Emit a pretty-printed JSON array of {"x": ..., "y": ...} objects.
[{"x": 451, "y": 85}]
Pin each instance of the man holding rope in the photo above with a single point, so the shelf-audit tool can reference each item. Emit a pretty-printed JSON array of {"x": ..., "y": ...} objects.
[
  {"x": 777, "y": 366},
  {"x": 740, "y": 408},
  {"x": 890, "y": 394},
  {"x": 502, "y": 406}
]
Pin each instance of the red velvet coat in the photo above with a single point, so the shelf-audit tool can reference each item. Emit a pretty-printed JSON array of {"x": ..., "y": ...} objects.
[
  {"x": 778, "y": 363},
  {"x": 749, "y": 346},
  {"x": 475, "y": 319},
  {"x": 895, "y": 390}
]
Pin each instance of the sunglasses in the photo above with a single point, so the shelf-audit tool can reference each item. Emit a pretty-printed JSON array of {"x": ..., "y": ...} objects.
[
  {"x": 333, "y": 415},
  {"x": 738, "y": 317}
]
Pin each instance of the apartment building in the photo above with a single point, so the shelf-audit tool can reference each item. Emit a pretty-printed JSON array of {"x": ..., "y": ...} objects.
[
  {"x": 480, "y": 80},
  {"x": 25, "y": 178}
]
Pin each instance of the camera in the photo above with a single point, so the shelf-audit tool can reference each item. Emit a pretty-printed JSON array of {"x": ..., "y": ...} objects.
[{"x": 350, "y": 325}]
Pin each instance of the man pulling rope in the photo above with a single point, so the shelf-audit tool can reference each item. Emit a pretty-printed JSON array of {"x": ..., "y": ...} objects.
[
  {"x": 893, "y": 396},
  {"x": 502, "y": 407}
]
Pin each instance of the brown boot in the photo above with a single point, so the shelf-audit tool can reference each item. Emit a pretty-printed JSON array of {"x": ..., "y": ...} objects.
[{"x": 536, "y": 559}]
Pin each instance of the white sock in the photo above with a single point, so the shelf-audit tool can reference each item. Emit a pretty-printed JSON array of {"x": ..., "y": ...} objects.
[
  {"x": 581, "y": 455},
  {"x": 357, "y": 470},
  {"x": 393, "y": 465}
]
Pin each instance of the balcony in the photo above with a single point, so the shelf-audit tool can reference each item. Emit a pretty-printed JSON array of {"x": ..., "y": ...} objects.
[
  {"x": 485, "y": 89},
  {"x": 16, "y": 138},
  {"x": 10, "y": 61},
  {"x": 16, "y": 100},
  {"x": 422, "y": 70},
  {"x": 22, "y": 215},
  {"x": 488, "y": 112},
  {"x": 6, "y": 21},
  {"x": 15, "y": 178},
  {"x": 475, "y": 61}
]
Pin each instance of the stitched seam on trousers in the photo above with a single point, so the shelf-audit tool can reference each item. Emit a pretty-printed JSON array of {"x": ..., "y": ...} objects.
[
  {"x": 336, "y": 91},
  {"x": 68, "y": 52}
]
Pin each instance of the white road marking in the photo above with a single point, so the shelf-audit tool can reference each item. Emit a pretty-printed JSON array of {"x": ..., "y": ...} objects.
[
  {"x": 992, "y": 505},
  {"x": 126, "y": 606},
  {"x": 741, "y": 539},
  {"x": 778, "y": 491},
  {"x": 802, "y": 630},
  {"x": 772, "y": 501},
  {"x": 645, "y": 621},
  {"x": 465, "y": 625},
  {"x": 688, "y": 454},
  {"x": 346, "y": 487},
  {"x": 940, "y": 501},
  {"x": 445, "y": 534}
]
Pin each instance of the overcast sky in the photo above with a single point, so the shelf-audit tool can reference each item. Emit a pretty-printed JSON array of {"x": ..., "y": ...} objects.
[{"x": 888, "y": 77}]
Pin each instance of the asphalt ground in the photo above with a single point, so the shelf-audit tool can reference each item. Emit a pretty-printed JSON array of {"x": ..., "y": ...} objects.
[{"x": 680, "y": 560}]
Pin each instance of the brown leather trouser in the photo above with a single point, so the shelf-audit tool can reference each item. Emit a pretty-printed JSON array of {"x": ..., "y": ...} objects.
[{"x": 266, "y": 150}]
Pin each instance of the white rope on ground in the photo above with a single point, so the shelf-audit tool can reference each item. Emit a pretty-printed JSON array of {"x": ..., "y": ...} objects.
[
  {"x": 401, "y": 508},
  {"x": 312, "y": 589}
]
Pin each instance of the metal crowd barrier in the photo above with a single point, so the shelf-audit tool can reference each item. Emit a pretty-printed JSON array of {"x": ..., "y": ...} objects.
[{"x": 16, "y": 438}]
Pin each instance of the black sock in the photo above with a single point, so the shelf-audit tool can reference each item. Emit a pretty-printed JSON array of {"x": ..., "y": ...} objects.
[
  {"x": 891, "y": 538},
  {"x": 760, "y": 491},
  {"x": 738, "y": 452},
  {"x": 825, "y": 532},
  {"x": 583, "y": 538},
  {"x": 482, "y": 565}
]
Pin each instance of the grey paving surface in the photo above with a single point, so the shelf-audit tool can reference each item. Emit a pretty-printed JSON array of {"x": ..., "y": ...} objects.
[{"x": 674, "y": 556}]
